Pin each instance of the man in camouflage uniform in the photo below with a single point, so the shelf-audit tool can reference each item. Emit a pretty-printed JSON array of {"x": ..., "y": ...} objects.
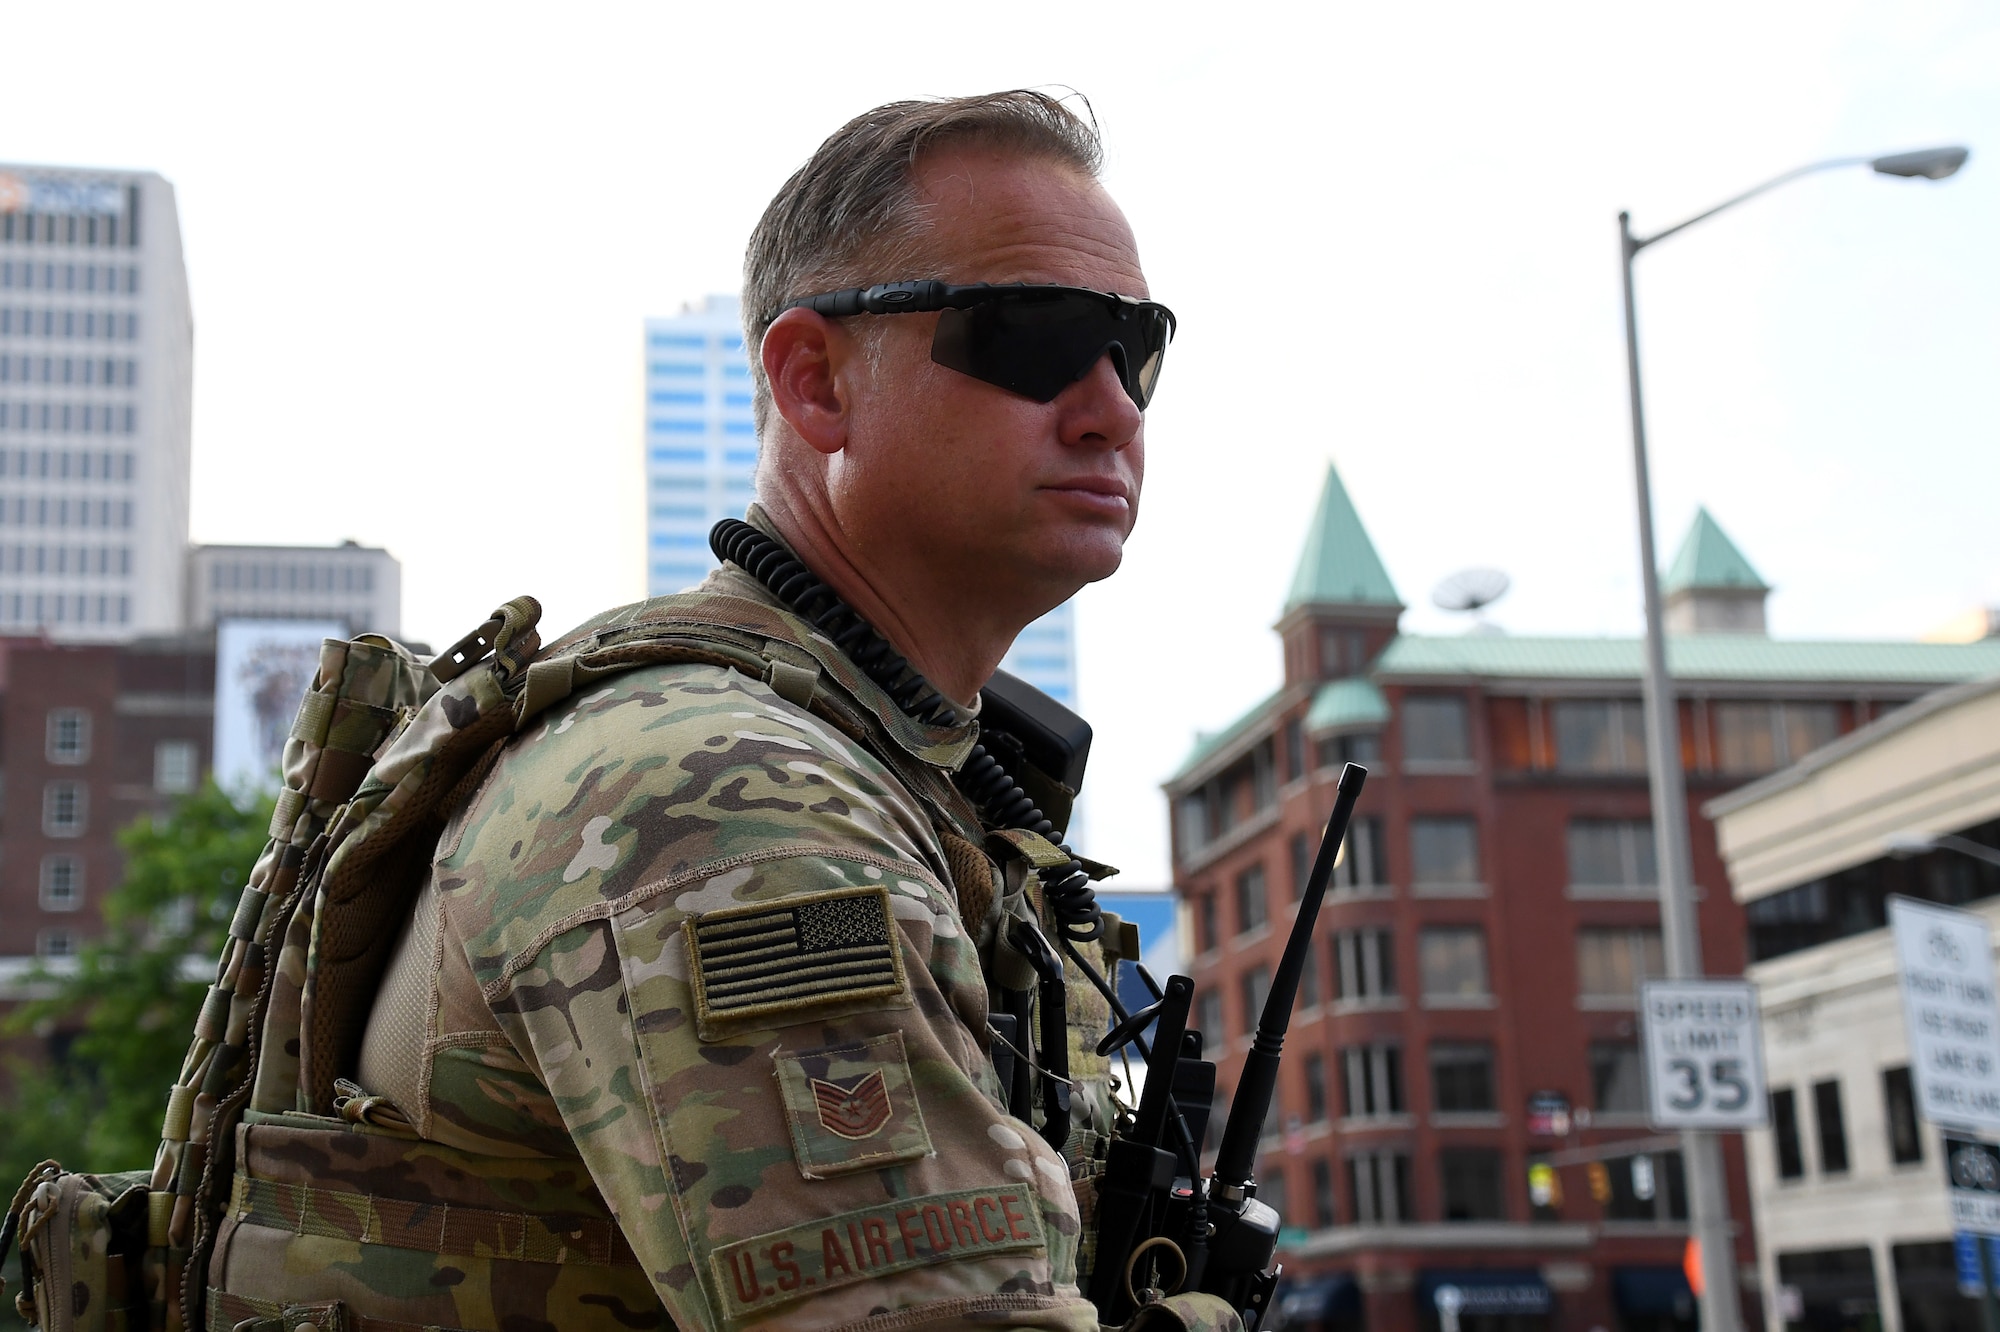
[{"x": 729, "y": 952}]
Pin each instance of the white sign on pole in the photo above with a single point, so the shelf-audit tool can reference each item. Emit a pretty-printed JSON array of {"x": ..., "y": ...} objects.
[
  {"x": 1944, "y": 963},
  {"x": 1704, "y": 1061}
]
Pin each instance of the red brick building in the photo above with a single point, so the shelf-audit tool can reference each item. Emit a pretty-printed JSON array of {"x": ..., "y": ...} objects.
[
  {"x": 91, "y": 738},
  {"x": 1470, "y": 1013}
]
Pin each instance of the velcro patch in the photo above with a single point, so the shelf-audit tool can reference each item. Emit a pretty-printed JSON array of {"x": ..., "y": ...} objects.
[
  {"x": 759, "y": 1274},
  {"x": 797, "y": 956},
  {"x": 852, "y": 1107}
]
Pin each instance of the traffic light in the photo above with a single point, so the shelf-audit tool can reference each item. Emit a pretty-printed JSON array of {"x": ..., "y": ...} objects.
[
  {"x": 1600, "y": 1182},
  {"x": 1544, "y": 1185}
]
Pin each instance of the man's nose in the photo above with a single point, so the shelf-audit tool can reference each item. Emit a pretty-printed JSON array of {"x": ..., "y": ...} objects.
[{"x": 1097, "y": 411}]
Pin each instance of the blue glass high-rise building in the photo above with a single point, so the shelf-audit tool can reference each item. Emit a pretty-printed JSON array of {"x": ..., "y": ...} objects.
[
  {"x": 701, "y": 459},
  {"x": 701, "y": 444}
]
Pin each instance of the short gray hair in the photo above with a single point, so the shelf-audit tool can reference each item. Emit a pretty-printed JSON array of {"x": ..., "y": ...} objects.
[{"x": 850, "y": 215}]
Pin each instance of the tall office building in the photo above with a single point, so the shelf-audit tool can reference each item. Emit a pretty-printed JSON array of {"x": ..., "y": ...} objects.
[
  {"x": 701, "y": 445},
  {"x": 701, "y": 458},
  {"x": 96, "y": 372},
  {"x": 360, "y": 586}
]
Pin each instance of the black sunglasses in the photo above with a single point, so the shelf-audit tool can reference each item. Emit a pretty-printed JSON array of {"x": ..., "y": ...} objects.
[{"x": 1027, "y": 338}]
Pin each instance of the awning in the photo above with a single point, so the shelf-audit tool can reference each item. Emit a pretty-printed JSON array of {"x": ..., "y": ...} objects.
[
  {"x": 1487, "y": 1290},
  {"x": 1317, "y": 1299},
  {"x": 1652, "y": 1291}
]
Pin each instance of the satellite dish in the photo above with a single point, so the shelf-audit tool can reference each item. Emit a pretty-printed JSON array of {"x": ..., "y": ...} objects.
[{"x": 1470, "y": 590}]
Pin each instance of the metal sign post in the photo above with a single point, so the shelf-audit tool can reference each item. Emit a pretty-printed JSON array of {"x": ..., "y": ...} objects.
[{"x": 1704, "y": 1059}]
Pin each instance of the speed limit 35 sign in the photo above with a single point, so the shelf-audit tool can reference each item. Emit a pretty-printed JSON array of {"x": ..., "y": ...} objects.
[{"x": 1704, "y": 1061}]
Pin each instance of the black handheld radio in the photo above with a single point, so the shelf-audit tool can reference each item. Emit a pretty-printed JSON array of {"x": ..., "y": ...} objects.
[{"x": 1161, "y": 1225}]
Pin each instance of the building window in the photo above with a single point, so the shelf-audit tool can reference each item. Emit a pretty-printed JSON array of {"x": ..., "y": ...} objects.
[
  {"x": 1461, "y": 1077},
  {"x": 1899, "y": 1107},
  {"x": 1378, "y": 1184},
  {"x": 1271, "y": 1189},
  {"x": 1204, "y": 911},
  {"x": 1371, "y": 1081},
  {"x": 1323, "y": 1213},
  {"x": 1256, "y": 987},
  {"x": 1434, "y": 729},
  {"x": 68, "y": 735},
  {"x": 1610, "y": 963},
  {"x": 1263, "y": 777},
  {"x": 1364, "y": 964},
  {"x": 1617, "y": 1084},
  {"x": 1832, "y": 1128},
  {"x": 1363, "y": 868},
  {"x": 1471, "y": 1179},
  {"x": 1336, "y": 750},
  {"x": 56, "y": 943},
  {"x": 1452, "y": 962},
  {"x": 1302, "y": 859},
  {"x": 1191, "y": 821},
  {"x": 1599, "y": 735},
  {"x": 174, "y": 764},
  {"x": 62, "y": 883},
  {"x": 1295, "y": 749},
  {"x": 1785, "y": 1133},
  {"x": 1761, "y": 737},
  {"x": 63, "y": 809},
  {"x": 1444, "y": 852},
  {"x": 1252, "y": 910},
  {"x": 1316, "y": 1101},
  {"x": 1208, "y": 1020},
  {"x": 1309, "y": 981},
  {"x": 1343, "y": 652},
  {"x": 1614, "y": 854}
]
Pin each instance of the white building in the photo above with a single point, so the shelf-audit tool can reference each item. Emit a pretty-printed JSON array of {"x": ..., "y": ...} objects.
[
  {"x": 361, "y": 586},
  {"x": 701, "y": 465},
  {"x": 1853, "y": 1227},
  {"x": 96, "y": 369}
]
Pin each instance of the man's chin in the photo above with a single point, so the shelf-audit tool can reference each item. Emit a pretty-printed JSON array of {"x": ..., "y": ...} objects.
[{"x": 1086, "y": 557}]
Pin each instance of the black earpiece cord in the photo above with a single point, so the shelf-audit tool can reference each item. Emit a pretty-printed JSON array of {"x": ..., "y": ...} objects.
[{"x": 992, "y": 790}]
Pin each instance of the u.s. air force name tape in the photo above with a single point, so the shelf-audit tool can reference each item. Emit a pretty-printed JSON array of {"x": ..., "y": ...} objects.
[{"x": 760, "y": 1273}]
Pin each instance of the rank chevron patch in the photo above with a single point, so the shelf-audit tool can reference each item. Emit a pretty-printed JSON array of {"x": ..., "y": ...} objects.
[
  {"x": 852, "y": 1106},
  {"x": 854, "y": 1112}
]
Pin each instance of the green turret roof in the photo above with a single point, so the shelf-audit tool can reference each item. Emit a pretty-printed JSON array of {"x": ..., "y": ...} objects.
[
  {"x": 1709, "y": 559},
  {"x": 1339, "y": 565}
]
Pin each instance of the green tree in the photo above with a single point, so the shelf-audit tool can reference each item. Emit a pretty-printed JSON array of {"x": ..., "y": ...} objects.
[{"x": 122, "y": 1020}]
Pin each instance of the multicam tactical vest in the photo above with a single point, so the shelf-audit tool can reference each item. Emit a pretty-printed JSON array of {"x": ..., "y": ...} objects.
[{"x": 273, "y": 1170}]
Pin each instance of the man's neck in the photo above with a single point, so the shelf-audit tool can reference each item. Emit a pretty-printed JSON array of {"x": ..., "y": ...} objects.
[{"x": 952, "y": 639}]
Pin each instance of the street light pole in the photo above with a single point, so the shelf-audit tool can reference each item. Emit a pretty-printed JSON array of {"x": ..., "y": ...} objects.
[{"x": 1701, "y": 1152}]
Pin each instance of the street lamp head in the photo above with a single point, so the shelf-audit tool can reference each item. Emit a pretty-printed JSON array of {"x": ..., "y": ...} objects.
[
  {"x": 1930, "y": 163},
  {"x": 1909, "y": 842}
]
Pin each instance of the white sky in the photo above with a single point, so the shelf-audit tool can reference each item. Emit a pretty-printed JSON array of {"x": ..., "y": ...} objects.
[{"x": 422, "y": 239}]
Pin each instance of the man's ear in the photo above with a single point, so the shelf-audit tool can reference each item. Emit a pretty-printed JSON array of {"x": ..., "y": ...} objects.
[{"x": 803, "y": 356}]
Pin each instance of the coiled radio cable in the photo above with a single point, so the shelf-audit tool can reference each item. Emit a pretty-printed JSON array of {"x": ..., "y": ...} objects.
[{"x": 993, "y": 791}]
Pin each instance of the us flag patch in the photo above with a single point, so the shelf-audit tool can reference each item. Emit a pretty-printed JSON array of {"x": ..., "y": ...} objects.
[{"x": 804, "y": 953}]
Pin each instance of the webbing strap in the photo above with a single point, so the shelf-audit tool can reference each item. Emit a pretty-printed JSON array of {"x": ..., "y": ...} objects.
[
  {"x": 315, "y": 711},
  {"x": 228, "y": 1312},
  {"x": 286, "y": 813},
  {"x": 430, "y": 1226}
]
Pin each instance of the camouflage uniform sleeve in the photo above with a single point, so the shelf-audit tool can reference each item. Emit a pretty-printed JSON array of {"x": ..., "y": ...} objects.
[{"x": 712, "y": 927}]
